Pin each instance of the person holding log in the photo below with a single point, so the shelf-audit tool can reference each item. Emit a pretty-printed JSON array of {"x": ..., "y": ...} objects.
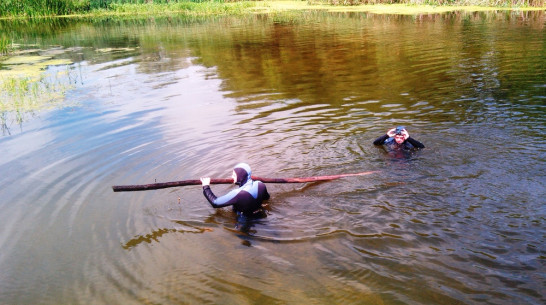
[
  {"x": 398, "y": 139},
  {"x": 246, "y": 200}
]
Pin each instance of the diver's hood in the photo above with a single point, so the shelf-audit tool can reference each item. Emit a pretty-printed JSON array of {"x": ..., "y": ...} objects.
[{"x": 243, "y": 172}]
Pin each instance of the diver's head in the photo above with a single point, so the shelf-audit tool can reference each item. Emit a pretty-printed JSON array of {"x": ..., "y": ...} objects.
[
  {"x": 399, "y": 134},
  {"x": 241, "y": 173}
]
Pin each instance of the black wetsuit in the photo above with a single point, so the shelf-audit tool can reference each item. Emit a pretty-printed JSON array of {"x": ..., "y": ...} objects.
[
  {"x": 408, "y": 144},
  {"x": 247, "y": 199}
]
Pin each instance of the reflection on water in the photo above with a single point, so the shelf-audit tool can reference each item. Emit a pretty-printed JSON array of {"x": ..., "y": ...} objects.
[{"x": 156, "y": 100}]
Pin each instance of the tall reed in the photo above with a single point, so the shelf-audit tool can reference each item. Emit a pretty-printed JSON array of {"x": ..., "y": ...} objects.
[
  {"x": 32, "y": 8},
  {"x": 5, "y": 44}
]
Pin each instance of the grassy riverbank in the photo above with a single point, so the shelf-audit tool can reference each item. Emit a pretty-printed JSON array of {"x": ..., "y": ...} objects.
[
  {"x": 409, "y": 8},
  {"x": 36, "y": 8}
]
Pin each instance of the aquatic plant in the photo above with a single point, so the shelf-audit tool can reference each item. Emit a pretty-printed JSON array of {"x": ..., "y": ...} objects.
[
  {"x": 25, "y": 94},
  {"x": 27, "y": 87},
  {"x": 4, "y": 45}
]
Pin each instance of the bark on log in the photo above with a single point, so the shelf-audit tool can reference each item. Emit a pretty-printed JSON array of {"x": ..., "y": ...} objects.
[{"x": 162, "y": 185}]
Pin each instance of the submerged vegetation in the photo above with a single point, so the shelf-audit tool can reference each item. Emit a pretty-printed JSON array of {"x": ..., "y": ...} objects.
[
  {"x": 28, "y": 85},
  {"x": 34, "y": 8}
]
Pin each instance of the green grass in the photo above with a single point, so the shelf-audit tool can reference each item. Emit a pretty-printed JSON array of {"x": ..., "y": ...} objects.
[
  {"x": 35, "y": 8},
  {"x": 32, "y": 8},
  {"x": 184, "y": 7}
]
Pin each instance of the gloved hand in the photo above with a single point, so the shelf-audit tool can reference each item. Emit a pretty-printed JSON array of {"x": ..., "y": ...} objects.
[
  {"x": 205, "y": 181},
  {"x": 392, "y": 132}
]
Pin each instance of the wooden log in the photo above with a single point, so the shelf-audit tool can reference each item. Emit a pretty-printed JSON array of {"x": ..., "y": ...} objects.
[{"x": 162, "y": 185}]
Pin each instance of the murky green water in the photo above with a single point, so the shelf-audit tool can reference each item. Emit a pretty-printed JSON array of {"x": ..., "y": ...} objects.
[{"x": 460, "y": 222}]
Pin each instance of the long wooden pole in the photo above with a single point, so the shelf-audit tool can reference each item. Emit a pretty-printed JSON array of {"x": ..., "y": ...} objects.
[{"x": 162, "y": 185}]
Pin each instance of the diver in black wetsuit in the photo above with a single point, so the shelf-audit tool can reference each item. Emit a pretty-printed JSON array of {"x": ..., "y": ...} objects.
[
  {"x": 246, "y": 200},
  {"x": 398, "y": 138}
]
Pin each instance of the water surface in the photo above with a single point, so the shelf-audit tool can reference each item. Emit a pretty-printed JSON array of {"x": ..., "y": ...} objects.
[{"x": 460, "y": 222}]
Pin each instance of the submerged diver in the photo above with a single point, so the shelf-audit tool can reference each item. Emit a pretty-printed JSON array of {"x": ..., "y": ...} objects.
[
  {"x": 246, "y": 200},
  {"x": 398, "y": 138}
]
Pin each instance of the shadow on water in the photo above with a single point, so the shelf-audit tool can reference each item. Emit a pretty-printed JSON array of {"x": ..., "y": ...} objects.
[
  {"x": 156, "y": 235},
  {"x": 245, "y": 228}
]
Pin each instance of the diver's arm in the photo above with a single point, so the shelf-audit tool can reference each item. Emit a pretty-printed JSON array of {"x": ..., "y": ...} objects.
[
  {"x": 262, "y": 189},
  {"x": 219, "y": 202},
  {"x": 415, "y": 143},
  {"x": 381, "y": 139}
]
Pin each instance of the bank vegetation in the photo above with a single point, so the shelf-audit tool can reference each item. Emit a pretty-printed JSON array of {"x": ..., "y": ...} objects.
[{"x": 39, "y": 8}]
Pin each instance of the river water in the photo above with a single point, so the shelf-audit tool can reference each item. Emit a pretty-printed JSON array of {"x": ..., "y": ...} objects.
[{"x": 462, "y": 221}]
